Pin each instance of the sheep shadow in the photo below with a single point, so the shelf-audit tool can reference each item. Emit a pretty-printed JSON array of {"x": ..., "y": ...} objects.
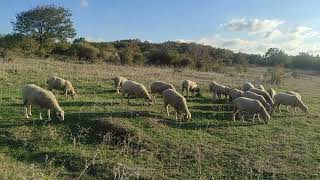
[
  {"x": 88, "y": 103},
  {"x": 193, "y": 125},
  {"x": 215, "y": 107},
  {"x": 30, "y": 153}
]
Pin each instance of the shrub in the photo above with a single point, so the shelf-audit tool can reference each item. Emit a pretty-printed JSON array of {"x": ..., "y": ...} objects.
[
  {"x": 277, "y": 75},
  {"x": 84, "y": 51}
]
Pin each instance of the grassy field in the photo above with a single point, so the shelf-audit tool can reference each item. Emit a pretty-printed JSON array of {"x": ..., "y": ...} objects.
[{"x": 103, "y": 137}]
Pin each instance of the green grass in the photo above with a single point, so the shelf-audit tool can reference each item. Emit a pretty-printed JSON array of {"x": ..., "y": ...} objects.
[{"x": 103, "y": 137}]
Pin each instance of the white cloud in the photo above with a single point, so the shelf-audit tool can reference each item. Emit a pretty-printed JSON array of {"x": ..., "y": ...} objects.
[
  {"x": 84, "y": 3},
  {"x": 262, "y": 35},
  {"x": 252, "y": 25}
]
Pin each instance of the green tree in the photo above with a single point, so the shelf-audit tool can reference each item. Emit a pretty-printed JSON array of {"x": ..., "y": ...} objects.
[
  {"x": 275, "y": 56},
  {"x": 46, "y": 24}
]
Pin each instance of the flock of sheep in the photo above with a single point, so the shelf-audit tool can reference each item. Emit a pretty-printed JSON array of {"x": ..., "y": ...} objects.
[{"x": 250, "y": 101}]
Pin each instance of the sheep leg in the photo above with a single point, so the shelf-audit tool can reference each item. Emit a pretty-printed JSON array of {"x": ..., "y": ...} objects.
[
  {"x": 187, "y": 92},
  {"x": 167, "y": 110},
  {"x": 66, "y": 93},
  {"x": 176, "y": 115},
  {"x": 49, "y": 117},
  {"x": 259, "y": 117},
  {"x": 26, "y": 113},
  {"x": 235, "y": 111},
  {"x": 254, "y": 116},
  {"x": 40, "y": 117},
  {"x": 29, "y": 108}
]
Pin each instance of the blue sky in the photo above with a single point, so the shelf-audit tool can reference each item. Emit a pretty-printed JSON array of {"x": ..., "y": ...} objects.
[{"x": 241, "y": 25}]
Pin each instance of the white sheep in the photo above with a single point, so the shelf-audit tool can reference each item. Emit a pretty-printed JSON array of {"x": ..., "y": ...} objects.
[
  {"x": 253, "y": 107},
  {"x": 264, "y": 94},
  {"x": 178, "y": 102},
  {"x": 252, "y": 95},
  {"x": 35, "y": 95},
  {"x": 262, "y": 87},
  {"x": 191, "y": 86},
  {"x": 295, "y": 94},
  {"x": 158, "y": 87},
  {"x": 271, "y": 92},
  {"x": 219, "y": 90},
  {"x": 118, "y": 81},
  {"x": 247, "y": 86},
  {"x": 60, "y": 84},
  {"x": 289, "y": 100},
  {"x": 235, "y": 93},
  {"x": 135, "y": 89}
]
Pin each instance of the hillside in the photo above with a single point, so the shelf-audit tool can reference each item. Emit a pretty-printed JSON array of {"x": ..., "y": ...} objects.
[{"x": 104, "y": 137}]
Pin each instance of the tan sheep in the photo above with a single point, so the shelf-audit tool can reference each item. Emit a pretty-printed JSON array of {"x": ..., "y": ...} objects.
[
  {"x": 262, "y": 87},
  {"x": 252, "y": 95},
  {"x": 264, "y": 94},
  {"x": 295, "y": 94},
  {"x": 35, "y": 95},
  {"x": 271, "y": 92},
  {"x": 60, "y": 84},
  {"x": 191, "y": 86},
  {"x": 178, "y": 102},
  {"x": 135, "y": 89},
  {"x": 289, "y": 100},
  {"x": 235, "y": 93},
  {"x": 118, "y": 81},
  {"x": 253, "y": 107},
  {"x": 247, "y": 86},
  {"x": 219, "y": 90},
  {"x": 158, "y": 87}
]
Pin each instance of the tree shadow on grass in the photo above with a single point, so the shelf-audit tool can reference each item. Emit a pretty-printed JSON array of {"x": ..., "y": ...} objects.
[
  {"x": 87, "y": 103},
  {"x": 215, "y": 107}
]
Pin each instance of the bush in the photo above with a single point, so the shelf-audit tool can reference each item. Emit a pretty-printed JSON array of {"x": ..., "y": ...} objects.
[
  {"x": 84, "y": 51},
  {"x": 277, "y": 75}
]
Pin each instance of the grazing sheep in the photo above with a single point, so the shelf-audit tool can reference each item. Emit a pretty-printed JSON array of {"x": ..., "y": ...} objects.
[
  {"x": 251, "y": 106},
  {"x": 271, "y": 92},
  {"x": 211, "y": 86},
  {"x": 252, "y": 95},
  {"x": 61, "y": 85},
  {"x": 295, "y": 94},
  {"x": 35, "y": 95},
  {"x": 158, "y": 87},
  {"x": 218, "y": 90},
  {"x": 235, "y": 93},
  {"x": 188, "y": 85},
  {"x": 118, "y": 81},
  {"x": 289, "y": 100},
  {"x": 178, "y": 102},
  {"x": 247, "y": 86},
  {"x": 262, "y": 87},
  {"x": 134, "y": 89},
  {"x": 264, "y": 94}
]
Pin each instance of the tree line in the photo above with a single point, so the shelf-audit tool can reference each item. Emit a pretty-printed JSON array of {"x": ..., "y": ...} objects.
[{"x": 48, "y": 30}]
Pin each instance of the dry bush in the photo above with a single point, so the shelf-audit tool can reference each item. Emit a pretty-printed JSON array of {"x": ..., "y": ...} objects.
[
  {"x": 277, "y": 75},
  {"x": 121, "y": 132}
]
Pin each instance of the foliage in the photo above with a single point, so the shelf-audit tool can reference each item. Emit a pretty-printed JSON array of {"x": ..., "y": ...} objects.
[
  {"x": 84, "y": 51},
  {"x": 277, "y": 75},
  {"x": 45, "y": 24}
]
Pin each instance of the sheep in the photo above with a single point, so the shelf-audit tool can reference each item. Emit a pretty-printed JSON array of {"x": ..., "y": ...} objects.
[
  {"x": 253, "y": 107},
  {"x": 178, "y": 102},
  {"x": 247, "y": 86},
  {"x": 294, "y": 93},
  {"x": 188, "y": 85},
  {"x": 262, "y": 87},
  {"x": 218, "y": 90},
  {"x": 252, "y": 95},
  {"x": 235, "y": 93},
  {"x": 35, "y": 95},
  {"x": 135, "y": 89},
  {"x": 118, "y": 81},
  {"x": 264, "y": 94},
  {"x": 211, "y": 86},
  {"x": 271, "y": 92},
  {"x": 158, "y": 87},
  {"x": 289, "y": 100},
  {"x": 60, "y": 84}
]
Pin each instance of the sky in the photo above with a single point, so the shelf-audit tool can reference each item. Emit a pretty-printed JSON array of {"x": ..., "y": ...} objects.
[{"x": 250, "y": 26}]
